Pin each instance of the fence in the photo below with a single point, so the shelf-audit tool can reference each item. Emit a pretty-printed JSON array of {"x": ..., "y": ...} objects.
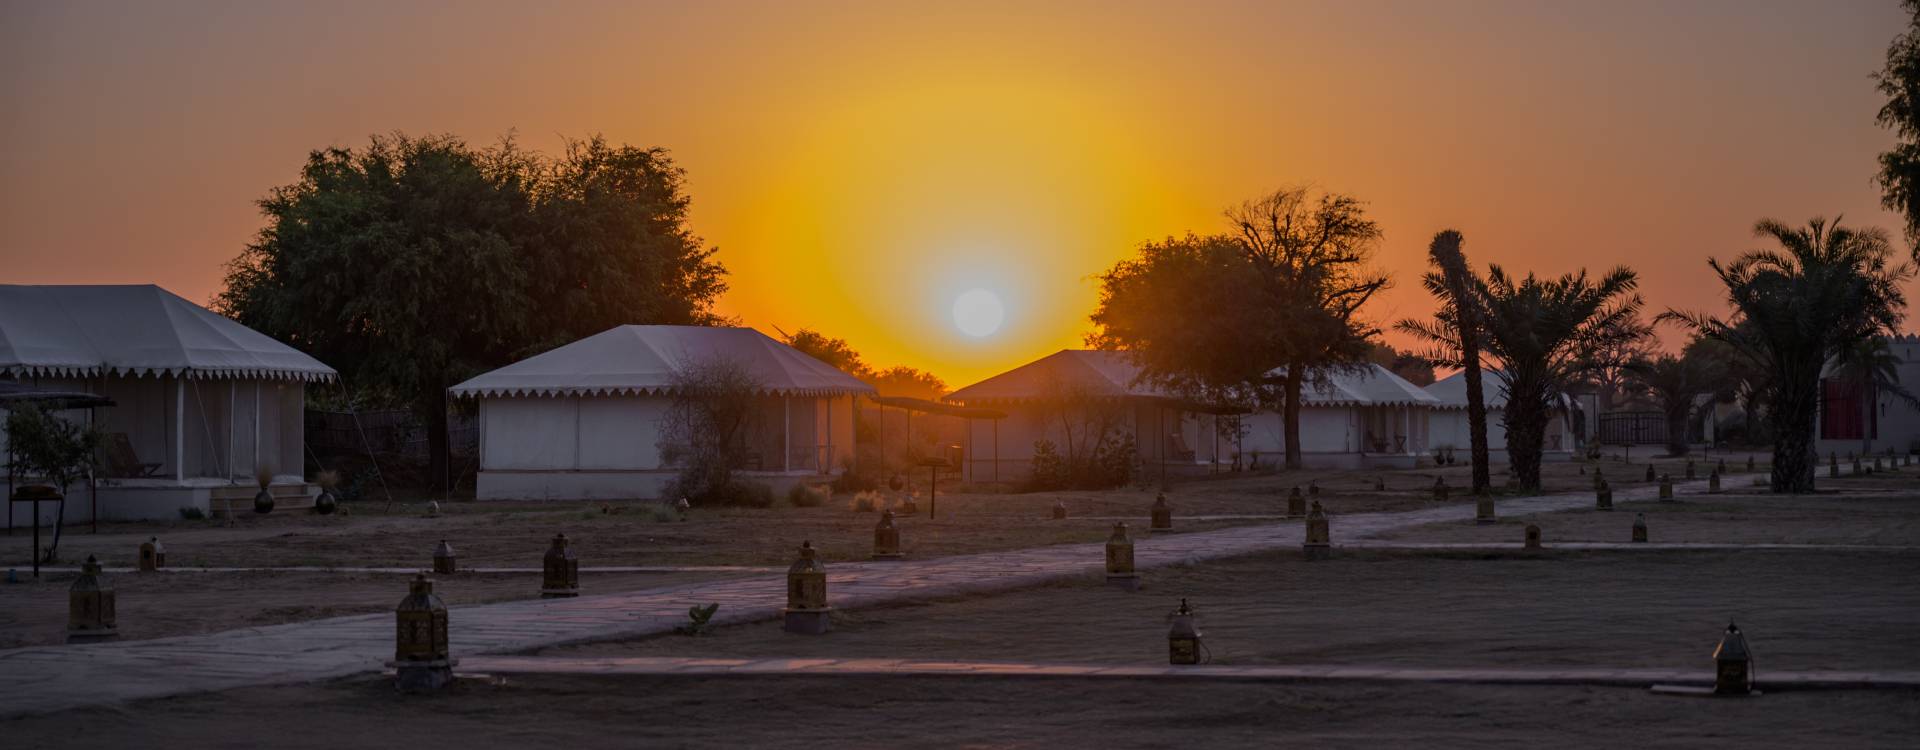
[
  {"x": 388, "y": 432},
  {"x": 1633, "y": 428}
]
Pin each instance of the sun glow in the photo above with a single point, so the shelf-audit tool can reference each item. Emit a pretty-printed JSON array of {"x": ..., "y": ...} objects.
[{"x": 978, "y": 313}]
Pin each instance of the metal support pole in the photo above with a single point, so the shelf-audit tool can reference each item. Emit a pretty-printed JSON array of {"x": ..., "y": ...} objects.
[{"x": 786, "y": 434}]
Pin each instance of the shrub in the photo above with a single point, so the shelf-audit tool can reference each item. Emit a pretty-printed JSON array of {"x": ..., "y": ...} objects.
[
  {"x": 191, "y": 513},
  {"x": 664, "y": 512},
  {"x": 807, "y": 496},
  {"x": 866, "y": 502},
  {"x": 1048, "y": 467}
]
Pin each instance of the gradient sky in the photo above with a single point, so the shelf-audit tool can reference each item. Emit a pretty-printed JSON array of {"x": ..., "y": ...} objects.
[{"x": 861, "y": 164}]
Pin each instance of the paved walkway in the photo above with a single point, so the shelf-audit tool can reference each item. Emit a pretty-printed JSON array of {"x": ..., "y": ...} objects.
[
  {"x": 52, "y": 678},
  {"x": 707, "y": 667},
  {"x": 419, "y": 569}
]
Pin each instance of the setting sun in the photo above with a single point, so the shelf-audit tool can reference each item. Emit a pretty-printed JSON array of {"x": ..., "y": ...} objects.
[{"x": 978, "y": 313}]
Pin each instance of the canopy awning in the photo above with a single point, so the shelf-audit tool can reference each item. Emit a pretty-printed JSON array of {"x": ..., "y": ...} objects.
[
  {"x": 136, "y": 330},
  {"x": 645, "y": 360},
  {"x": 14, "y": 393}
]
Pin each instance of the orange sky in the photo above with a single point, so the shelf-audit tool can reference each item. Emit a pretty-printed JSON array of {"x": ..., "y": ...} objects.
[{"x": 861, "y": 164}]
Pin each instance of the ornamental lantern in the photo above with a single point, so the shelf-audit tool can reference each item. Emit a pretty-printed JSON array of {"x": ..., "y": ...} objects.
[
  {"x": 1313, "y": 490},
  {"x": 886, "y": 538},
  {"x": 1689, "y": 469},
  {"x": 1650, "y": 475},
  {"x": 1856, "y": 465},
  {"x": 90, "y": 610},
  {"x": 1319, "y": 543},
  {"x": 1876, "y": 463},
  {"x": 1059, "y": 510},
  {"x": 1749, "y": 462},
  {"x": 443, "y": 559},
  {"x": 560, "y": 571},
  {"x": 1599, "y": 477},
  {"x": 1639, "y": 527},
  {"x": 420, "y": 655},
  {"x": 1533, "y": 536},
  {"x": 1439, "y": 489},
  {"x": 807, "y": 610},
  {"x": 1483, "y": 509},
  {"x": 1713, "y": 482},
  {"x": 1120, "y": 570},
  {"x": 1833, "y": 466},
  {"x": 1603, "y": 497},
  {"x": 1732, "y": 664},
  {"x": 1721, "y": 466},
  {"x": 1183, "y": 638},
  {"x": 1162, "y": 513},
  {"x": 153, "y": 555},
  {"x": 1296, "y": 504},
  {"x": 1666, "y": 488}
]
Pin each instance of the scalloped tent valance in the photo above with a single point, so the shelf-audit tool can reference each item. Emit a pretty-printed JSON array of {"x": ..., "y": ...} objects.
[
  {"x": 1092, "y": 373},
  {"x": 642, "y": 360},
  {"x": 135, "y": 331}
]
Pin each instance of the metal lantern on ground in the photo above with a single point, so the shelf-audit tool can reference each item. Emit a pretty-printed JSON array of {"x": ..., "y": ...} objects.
[
  {"x": 1439, "y": 489},
  {"x": 1296, "y": 504},
  {"x": 1319, "y": 541},
  {"x": 886, "y": 538},
  {"x": 1599, "y": 477},
  {"x": 1533, "y": 536},
  {"x": 807, "y": 611},
  {"x": 1313, "y": 489},
  {"x": 1162, "y": 513},
  {"x": 153, "y": 555},
  {"x": 1120, "y": 570},
  {"x": 1856, "y": 466},
  {"x": 1721, "y": 466},
  {"x": 1732, "y": 664},
  {"x": 1689, "y": 469},
  {"x": 1379, "y": 484},
  {"x": 1059, "y": 510},
  {"x": 421, "y": 657},
  {"x": 1876, "y": 463},
  {"x": 443, "y": 559},
  {"x": 1603, "y": 497},
  {"x": 90, "y": 606},
  {"x": 1713, "y": 482},
  {"x": 1483, "y": 509},
  {"x": 1183, "y": 636},
  {"x": 559, "y": 571},
  {"x": 1749, "y": 463},
  {"x": 1650, "y": 475},
  {"x": 1833, "y": 466},
  {"x": 1666, "y": 487},
  {"x": 1639, "y": 527}
]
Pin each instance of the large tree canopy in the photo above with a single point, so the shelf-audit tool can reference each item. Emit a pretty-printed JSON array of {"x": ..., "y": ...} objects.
[
  {"x": 412, "y": 263},
  {"x": 1212, "y": 315}
]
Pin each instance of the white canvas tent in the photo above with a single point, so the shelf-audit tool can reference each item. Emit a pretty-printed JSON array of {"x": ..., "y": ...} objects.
[
  {"x": 1449, "y": 425},
  {"x": 200, "y": 400},
  {"x": 584, "y": 420},
  {"x": 1350, "y": 418}
]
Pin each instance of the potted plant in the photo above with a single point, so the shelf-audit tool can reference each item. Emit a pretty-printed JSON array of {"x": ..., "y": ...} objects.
[
  {"x": 326, "y": 502},
  {"x": 263, "y": 500},
  {"x": 54, "y": 450}
]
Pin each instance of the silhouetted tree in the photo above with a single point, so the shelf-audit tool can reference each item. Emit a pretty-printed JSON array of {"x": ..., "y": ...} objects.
[
  {"x": 1456, "y": 333},
  {"x": 1899, "y": 176},
  {"x": 1826, "y": 289},
  {"x": 908, "y": 382},
  {"x": 1675, "y": 385},
  {"x": 1213, "y": 316},
  {"x": 833, "y": 351}
]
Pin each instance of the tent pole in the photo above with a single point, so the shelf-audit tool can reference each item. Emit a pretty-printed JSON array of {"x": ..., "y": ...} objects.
[
  {"x": 256, "y": 425},
  {"x": 179, "y": 427},
  {"x": 230, "y": 415},
  {"x": 828, "y": 469},
  {"x": 786, "y": 434}
]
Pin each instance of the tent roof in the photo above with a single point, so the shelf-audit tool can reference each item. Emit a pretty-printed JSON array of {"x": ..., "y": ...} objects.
[
  {"x": 1452, "y": 391},
  {"x": 643, "y": 360},
  {"x": 1110, "y": 373},
  {"x": 135, "y": 330}
]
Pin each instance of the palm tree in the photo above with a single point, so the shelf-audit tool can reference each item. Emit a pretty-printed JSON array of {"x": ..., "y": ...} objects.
[
  {"x": 1456, "y": 334},
  {"x": 1675, "y": 384},
  {"x": 1826, "y": 289},
  {"x": 1871, "y": 368},
  {"x": 1544, "y": 334}
]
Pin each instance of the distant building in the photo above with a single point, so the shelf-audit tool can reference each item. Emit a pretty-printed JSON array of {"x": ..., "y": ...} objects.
[
  {"x": 199, "y": 402},
  {"x": 584, "y": 421},
  {"x": 1846, "y": 424}
]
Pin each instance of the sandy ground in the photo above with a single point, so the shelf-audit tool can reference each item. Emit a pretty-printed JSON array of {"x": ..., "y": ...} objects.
[
  {"x": 978, "y": 713},
  {"x": 1801, "y": 610},
  {"x": 157, "y": 605}
]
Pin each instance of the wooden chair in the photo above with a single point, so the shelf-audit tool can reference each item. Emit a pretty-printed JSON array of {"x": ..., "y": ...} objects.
[{"x": 117, "y": 453}]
